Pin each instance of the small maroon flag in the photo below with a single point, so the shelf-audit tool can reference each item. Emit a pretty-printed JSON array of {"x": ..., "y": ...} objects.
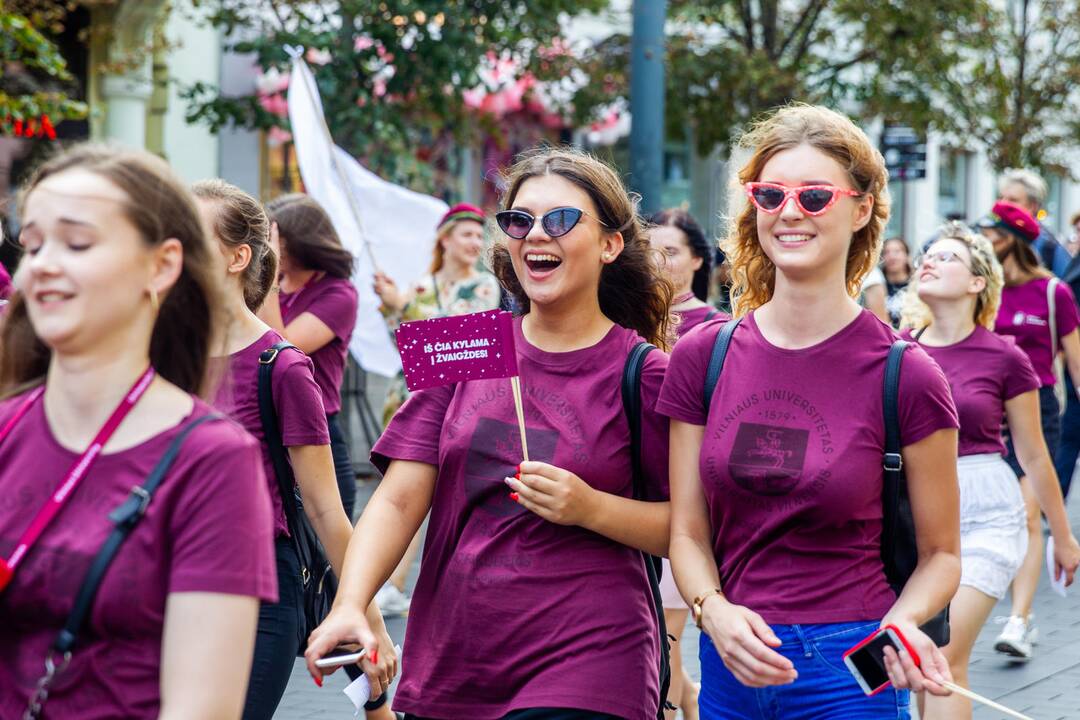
[{"x": 447, "y": 350}]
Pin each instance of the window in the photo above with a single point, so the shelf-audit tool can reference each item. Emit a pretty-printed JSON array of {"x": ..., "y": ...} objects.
[{"x": 952, "y": 184}]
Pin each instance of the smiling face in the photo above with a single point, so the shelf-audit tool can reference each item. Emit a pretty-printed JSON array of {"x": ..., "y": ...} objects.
[
  {"x": 566, "y": 268},
  {"x": 799, "y": 245},
  {"x": 463, "y": 243},
  {"x": 680, "y": 263},
  {"x": 87, "y": 268},
  {"x": 944, "y": 273}
]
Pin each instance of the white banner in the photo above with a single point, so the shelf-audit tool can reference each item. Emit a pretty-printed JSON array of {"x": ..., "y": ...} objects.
[{"x": 398, "y": 223}]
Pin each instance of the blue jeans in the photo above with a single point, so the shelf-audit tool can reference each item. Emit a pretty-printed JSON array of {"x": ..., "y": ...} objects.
[
  {"x": 1069, "y": 445},
  {"x": 825, "y": 689},
  {"x": 346, "y": 478}
]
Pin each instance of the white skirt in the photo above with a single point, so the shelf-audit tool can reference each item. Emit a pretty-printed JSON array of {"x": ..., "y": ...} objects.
[{"x": 993, "y": 524}]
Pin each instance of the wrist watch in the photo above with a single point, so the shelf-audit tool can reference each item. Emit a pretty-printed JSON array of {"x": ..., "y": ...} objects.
[{"x": 699, "y": 601}]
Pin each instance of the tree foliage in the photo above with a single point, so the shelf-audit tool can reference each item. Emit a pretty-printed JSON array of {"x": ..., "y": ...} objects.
[
  {"x": 1016, "y": 90},
  {"x": 391, "y": 72},
  {"x": 34, "y": 80}
]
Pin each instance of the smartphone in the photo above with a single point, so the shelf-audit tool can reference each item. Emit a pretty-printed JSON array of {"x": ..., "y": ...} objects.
[
  {"x": 866, "y": 661},
  {"x": 339, "y": 657}
]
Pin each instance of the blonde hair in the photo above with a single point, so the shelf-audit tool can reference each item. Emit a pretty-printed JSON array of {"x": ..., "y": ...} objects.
[
  {"x": 984, "y": 263},
  {"x": 753, "y": 274}
]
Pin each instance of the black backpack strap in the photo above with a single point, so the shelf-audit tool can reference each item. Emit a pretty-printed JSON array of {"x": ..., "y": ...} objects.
[
  {"x": 631, "y": 397},
  {"x": 125, "y": 518},
  {"x": 893, "y": 461},
  {"x": 272, "y": 433},
  {"x": 716, "y": 359}
]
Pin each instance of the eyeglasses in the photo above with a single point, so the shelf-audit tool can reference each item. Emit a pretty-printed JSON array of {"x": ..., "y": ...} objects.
[
  {"x": 556, "y": 222},
  {"x": 941, "y": 257},
  {"x": 811, "y": 199}
]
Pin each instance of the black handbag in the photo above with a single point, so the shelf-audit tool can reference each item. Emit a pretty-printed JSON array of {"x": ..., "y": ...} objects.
[
  {"x": 631, "y": 397},
  {"x": 318, "y": 582},
  {"x": 899, "y": 551}
]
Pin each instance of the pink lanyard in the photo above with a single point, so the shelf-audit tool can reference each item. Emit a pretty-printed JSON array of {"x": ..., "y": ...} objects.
[{"x": 74, "y": 476}]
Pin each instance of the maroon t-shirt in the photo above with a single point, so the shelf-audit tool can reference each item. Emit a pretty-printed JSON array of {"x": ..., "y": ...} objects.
[
  {"x": 690, "y": 319},
  {"x": 512, "y": 611},
  {"x": 207, "y": 529},
  {"x": 297, "y": 400},
  {"x": 1025, "y": 315},
  {"x": 984, "y": 370},
  {"x": 332, "y": 300},
  {"x": 791, "y": 463},
  {"x": 5, "y": 284}
]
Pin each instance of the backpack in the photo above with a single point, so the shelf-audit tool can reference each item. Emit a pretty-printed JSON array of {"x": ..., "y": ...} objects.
[
  {"x": 899, "y": 551},
  {"x": 631, "y": 397}
]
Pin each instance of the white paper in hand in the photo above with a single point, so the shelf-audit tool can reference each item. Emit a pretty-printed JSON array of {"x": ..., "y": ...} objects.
[
  {"x": 1056, "y": 584},
  {"x": 359, "y": 690}
]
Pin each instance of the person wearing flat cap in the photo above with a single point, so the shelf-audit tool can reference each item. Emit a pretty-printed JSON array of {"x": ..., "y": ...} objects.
[
  {"x": 1040, "y": 313},
  {"x": 456, "y": 284}
]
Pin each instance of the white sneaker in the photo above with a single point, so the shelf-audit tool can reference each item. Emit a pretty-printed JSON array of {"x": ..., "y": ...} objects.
[
  {"x": 391, "y": 601},
  {"x": 1013, "y": 640},
  {"x": 1032, "y": 635}
]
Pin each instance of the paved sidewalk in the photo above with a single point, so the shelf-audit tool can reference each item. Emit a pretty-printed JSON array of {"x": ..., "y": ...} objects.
[{"x": 1047, "y": 688}]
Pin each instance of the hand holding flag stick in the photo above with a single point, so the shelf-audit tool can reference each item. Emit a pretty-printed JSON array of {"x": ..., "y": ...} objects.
[{"x": 478, "y": 346}]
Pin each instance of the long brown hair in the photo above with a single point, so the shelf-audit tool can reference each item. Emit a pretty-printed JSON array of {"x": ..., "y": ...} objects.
[
  {"x": 160, "y": 208},
  {"x": 633, "y": 293},
  {"x": 308, "y": 235},
  {"x": 1027, "y": 262},
  {"x": 239, "y": 219},
  {"x": 753, "y": 274}
]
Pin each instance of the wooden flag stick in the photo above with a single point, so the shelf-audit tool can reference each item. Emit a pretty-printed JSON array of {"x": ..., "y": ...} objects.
[
  {"x": 515, "y": 384},
  {"x": 985, "y": 701}
]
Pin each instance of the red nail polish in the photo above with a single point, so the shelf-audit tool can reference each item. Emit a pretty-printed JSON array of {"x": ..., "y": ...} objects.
[
  {"x": 519, "y": 469},
  {"x": 317, "y": 679},
  {"x": 514, "y": 497},
  {"x": 375, "y": 656},
  {"x": 517, "y": 476}
]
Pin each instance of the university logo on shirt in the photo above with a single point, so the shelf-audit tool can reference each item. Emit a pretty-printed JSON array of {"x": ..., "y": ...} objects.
[
  {"x": 1022, "y": 318},
  {"x": 768, "y": 459}
]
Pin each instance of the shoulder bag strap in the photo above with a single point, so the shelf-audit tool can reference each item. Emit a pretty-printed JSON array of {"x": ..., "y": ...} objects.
[
  {"x": 125, "y": 518},
  {"x": 893, "y": 461},
  {"x": 272, "y": 433},
  {"x": 631, "y": 397},
  {"x": 716, "y": 360},
  {"x": 1051, "y": 305}
]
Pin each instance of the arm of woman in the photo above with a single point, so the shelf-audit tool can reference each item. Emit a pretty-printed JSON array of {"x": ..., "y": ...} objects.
[
  {"x": 930, "y": 468},
  {"x": 389, "y": 522},
  {"x": 308, "y": 333},
  {"x": 561, "y": 497},
  {"x": 741, "y": 636},
  {"x": 207, "y": 646},
  {"x": 1025, "y": 426},
  {"x": 1070, "y": 345}
]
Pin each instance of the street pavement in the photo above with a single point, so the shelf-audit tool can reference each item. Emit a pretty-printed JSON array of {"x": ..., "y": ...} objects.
[{"x": 1046, "y": 688}]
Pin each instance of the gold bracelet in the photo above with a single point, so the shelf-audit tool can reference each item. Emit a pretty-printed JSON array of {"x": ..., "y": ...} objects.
[{"x": 697, "y": 606}]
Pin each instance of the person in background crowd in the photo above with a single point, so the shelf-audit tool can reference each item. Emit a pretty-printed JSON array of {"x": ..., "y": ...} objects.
[
  {"x": 118, "y": 304},
  {"x": 896, "y": 265},
  {"x": 455, "y": 285},
  {"x": 1028, "y": 190},
  {"x": 720, "y": 283},
  {"x": 240, "y": 227},
  {"x": 1069, "y": 444},
  {"x": 873, "y": 297},
  {"x": 686, "y": 256},
  {"x": 1072, "y": 243},
  {"x": 316, "y": 311},
  {"x": 1025, "y": 315},
  {"x": 776, "y": 486},
  {"x": 951, "y": 310},
  {"x": 5, "y": 279},
  {"x": 533, "y": 600}
]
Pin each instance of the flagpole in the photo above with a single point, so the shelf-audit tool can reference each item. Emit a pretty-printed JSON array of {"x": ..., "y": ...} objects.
[
  {"x": 515, "y": 385},
  {"x": 295, "y": 54}
]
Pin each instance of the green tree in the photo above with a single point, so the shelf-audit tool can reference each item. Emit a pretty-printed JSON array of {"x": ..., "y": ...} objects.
[
  {"x": 391, "y": 72},
  {"x": 1017, "y": 88},
  {"x": 729, "y": 60},
  {"x": 34, "y": 80}
]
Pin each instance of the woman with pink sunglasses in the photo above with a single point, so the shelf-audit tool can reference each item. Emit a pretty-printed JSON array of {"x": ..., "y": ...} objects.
[{"x": 776, "y": 483}]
